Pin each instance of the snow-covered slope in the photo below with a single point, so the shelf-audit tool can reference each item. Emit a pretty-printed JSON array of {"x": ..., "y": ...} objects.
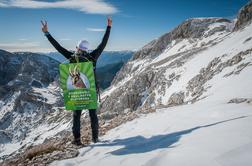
[
  {"x": 215, "y": 131},
  {"x": 205, "y": 133},
  {"x": 185, "y": 69},
  {"x": 30, "y": 101},
  {"x": 198, "y": 79}
]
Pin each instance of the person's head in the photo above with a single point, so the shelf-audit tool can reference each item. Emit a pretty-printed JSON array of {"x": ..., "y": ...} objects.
[{"x": 83, "y": 45}]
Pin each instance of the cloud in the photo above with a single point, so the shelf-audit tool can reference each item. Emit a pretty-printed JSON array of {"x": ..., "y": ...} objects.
[
  {"x": 20, "y": 46},
  {"x": 2, "y": 4},
  {"x": 95, "y": 29},
  {"x": 87, "y": 6}
]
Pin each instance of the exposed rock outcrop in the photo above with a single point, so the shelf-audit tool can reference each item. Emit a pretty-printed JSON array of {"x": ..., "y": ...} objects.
[
  {"x": 142, "y": 84},
  {"x": 244, "y": 16},
  {"x": 191, "y": 28},
  {"x": 176, "y": 99}
]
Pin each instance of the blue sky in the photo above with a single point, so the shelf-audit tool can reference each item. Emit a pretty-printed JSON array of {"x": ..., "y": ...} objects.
[{"x": 135, "y": 22}]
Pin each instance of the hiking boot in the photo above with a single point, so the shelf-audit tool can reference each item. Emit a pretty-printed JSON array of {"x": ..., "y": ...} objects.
[
  {"x": 95, "y": 140},
  {"x": 76, "y": 142}
]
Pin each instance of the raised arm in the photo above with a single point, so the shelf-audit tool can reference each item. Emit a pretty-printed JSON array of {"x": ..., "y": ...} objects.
[
  {"x": 67, "y": 54},
  {"x": 97, "y": 52}
]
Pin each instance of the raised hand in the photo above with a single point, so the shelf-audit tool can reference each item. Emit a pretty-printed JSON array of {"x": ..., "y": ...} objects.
[
  {"x": 109, "y": 20},
  {"x": 44, "y": 26}
]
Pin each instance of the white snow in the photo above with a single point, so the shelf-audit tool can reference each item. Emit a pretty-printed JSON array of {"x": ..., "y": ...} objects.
[
  {"x": 206, "y": 133},
  {"x": 36, "y": 136},
  {"x": 47, "y": 93},
  {"x": 47, "y": 131},
  {"x": 6, "y": 149},
  {"x": 231, "y": 45},
  {"x": 219, "y": 24},
  {"x": 8, "y": 105},
  {"x": 24, "y": 136}
]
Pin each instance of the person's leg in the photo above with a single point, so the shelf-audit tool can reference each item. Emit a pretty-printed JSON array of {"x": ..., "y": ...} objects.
[
  {"x": 94, "y": 125},
  {"x": 76, "y": 124}
]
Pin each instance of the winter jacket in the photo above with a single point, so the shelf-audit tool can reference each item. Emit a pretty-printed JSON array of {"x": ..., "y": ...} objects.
[{"x": 92, "y": 56}]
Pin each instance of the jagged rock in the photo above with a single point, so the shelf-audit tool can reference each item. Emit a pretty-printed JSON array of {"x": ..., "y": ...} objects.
[
  {"x": 238, "y": 69},
  {"x": 123, "y": 99},
  {"x": 217, "y": 29},
  {"x": 26, "y": 67},
  {"x": 244, "y": 17},
  {"x": 150, "y": 101},
  {"x": 196, "y": 84},
  {"x": 176, "y": 99},
  {"x": 26, "y": 97},
  {"x": 139, "y": 85},
  {"x": 191, "y": 28},
  {"x": 238, "y": 100}
]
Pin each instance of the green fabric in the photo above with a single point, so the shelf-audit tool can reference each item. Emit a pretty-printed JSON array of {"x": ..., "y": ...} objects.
[{"x": 78, "y": 98}]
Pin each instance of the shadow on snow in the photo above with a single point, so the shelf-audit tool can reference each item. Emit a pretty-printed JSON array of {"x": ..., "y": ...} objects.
[{"x": 140, "y": 144}]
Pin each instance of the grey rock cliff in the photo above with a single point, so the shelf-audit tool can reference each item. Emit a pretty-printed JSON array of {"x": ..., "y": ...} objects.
[
  {"x": 20, "y": 103},
  {"x": 244, "y": 16},
  {"x": 143, "y": 80}
]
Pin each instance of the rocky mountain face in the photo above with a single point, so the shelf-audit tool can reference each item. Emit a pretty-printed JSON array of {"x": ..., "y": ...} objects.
[
  {"x": 161, "y": 74},
  {"x": 191, "y": 30},
  {"x": 30, "y": 99},
  {"x": 244, "y": 16},
  {"x": 144, "y": 77},
  {"x": 26, "y": 69}
]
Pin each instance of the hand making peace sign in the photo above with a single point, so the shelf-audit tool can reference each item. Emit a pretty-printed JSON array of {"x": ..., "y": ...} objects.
[{"x": 44, "y": 26}]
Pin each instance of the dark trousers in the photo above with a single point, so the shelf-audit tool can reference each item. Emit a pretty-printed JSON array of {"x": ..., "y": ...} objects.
[{"x": 94, "y": 123}]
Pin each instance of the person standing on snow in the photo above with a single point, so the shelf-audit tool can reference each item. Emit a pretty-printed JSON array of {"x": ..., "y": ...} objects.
[{"x": 83, "y": 55}]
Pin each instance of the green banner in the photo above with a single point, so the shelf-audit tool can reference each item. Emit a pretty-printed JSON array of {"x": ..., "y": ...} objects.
[{"x": 78, "y": 84}]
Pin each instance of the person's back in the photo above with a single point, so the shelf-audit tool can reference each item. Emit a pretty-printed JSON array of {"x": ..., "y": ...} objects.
[{"x": 81, "y": 55}]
